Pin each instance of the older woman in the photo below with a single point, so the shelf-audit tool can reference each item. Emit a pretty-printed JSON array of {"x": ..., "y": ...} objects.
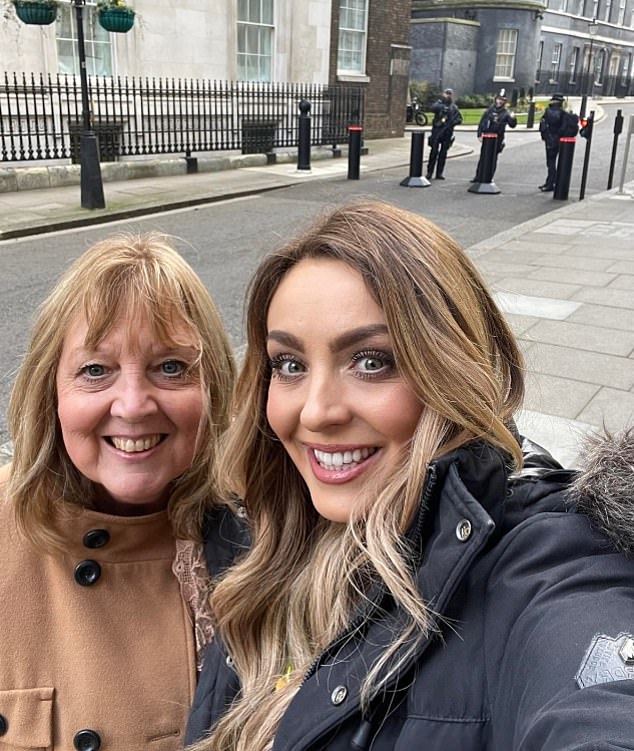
[
  {"x": 404, "y": 590},
  {"x": 115, "y": 417}
]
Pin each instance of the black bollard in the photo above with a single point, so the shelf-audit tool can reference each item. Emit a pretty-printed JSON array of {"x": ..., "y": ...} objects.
[
  {"x": 354, "y": 151},
  {"x": 415, "y": 178},
  {"x": 582, "y": 108},
  {"x": 530, "y": 118},
  {"x": 486, "y": 166},
  {"x": 303, "y": 147},
  {"x": 586, "y": 132},
  {"x": 91, "y": 184},
  {"x": 618, "y": 129},
  {"x": 564, "y": 167}
]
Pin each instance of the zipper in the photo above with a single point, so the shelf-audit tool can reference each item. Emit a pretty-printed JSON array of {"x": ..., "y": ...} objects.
[{"x": 432, "y": 476}]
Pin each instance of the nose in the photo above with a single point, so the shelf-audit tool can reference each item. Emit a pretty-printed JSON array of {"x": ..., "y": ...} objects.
[
  {"x": 325, "y": 405},
  {"x": 133, "y": 398}
]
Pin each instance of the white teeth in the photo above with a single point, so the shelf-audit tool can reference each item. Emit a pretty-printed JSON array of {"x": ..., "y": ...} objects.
[
  {"x": 131, "y": 446},
  {"x": 342, "y": 459}
]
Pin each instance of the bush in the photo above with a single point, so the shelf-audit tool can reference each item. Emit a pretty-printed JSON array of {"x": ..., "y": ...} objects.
[{"x": 426, "y": 92}]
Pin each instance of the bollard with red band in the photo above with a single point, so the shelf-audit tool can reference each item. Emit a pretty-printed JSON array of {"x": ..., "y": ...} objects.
[
  {"x": 486, "y": 166},
  {"x": 354, "y": 151},
  {"x": 564, "y": 167}
]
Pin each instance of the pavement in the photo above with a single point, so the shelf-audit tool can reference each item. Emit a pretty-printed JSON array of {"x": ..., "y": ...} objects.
[{"x": 565, "y": 280}]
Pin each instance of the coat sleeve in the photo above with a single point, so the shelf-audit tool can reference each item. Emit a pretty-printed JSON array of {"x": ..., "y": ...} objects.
[
  {"x": 559, "y": 644},
  {"x": 483, "y": 122}
]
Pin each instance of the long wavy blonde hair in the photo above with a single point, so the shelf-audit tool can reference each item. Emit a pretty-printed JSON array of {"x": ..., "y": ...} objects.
[
  {"x": 303, "y": 578},
  {"x": 130, "y": 276}
]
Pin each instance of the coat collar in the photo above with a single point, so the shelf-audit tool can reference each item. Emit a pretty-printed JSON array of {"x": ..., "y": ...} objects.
[{"x": 109, "y": 538}]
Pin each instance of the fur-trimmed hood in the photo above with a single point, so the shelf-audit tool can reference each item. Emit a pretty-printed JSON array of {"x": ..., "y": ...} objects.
[{"x": 604, "y": 488}]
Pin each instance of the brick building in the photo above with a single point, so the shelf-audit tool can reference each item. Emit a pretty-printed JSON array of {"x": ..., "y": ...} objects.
[{"x": 383, "y": 68}]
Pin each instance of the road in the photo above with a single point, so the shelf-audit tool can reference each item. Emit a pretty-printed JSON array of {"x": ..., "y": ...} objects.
[{"x": 224, "y": 241}]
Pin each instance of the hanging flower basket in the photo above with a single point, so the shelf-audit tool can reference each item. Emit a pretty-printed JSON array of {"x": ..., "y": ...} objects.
[
  {"x": 32, "y": 12},
  {"x": 116, "y": 19}
]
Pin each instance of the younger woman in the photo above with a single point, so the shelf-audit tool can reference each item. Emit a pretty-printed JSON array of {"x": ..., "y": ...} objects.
[{"x": 403, "y": 591}]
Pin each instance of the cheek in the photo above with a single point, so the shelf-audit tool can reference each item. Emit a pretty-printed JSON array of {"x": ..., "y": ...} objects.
[
  {"x": 188, "y": 412},
  {"x": 401, "y": 415}
]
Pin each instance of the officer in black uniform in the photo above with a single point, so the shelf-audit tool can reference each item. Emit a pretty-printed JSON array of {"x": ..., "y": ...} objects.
[
  {"x": 494, "y": 120},
  {"x": 550, "y": 129},
  {"x": 446, "y": 117}
]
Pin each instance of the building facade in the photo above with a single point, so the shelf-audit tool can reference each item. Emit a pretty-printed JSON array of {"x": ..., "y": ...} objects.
[
  {"x": 349, "y": 42},
  {"x": 481, "y": 46}
]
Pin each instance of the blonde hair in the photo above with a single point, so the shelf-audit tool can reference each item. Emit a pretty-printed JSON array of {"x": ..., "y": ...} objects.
[
  {"x": 298, "y": 587},
  {"x": 130, "y": 276}
]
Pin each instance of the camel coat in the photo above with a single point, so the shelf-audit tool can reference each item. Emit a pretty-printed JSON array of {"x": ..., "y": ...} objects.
[{"x": 96, "y": 644}]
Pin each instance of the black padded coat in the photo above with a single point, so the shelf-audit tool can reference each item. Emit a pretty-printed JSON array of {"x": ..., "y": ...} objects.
[{"x": 535, "y": 645}]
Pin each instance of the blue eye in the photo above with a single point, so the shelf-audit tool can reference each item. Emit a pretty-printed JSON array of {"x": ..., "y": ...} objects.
[
  {"x": 373, "y": 363},
  {"x": 173, "y": 367},
  {"x": 286, "y": 367},
  {"x": 94, "y": 370}
]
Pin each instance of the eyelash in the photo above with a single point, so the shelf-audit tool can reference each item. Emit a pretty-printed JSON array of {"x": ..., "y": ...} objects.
[
  {"x": 386, "y": 358},
  {"x": 276, "y": 363},
  {"x": 84, "y": 371},
  {"x": 388, "y": 365}
]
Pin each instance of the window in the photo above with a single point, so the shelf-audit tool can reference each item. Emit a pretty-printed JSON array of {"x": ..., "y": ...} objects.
[
  {"x": 621, "y": 17},
  {"x": 600, "y": 68},
  {"x": 96, "y": 42},
  {"x": 255, "y": 40},
  {"x": 572, "y": 64},
  {"x": 625, "y": 71},
  {"x": 607, "y": 6},
  {"x": 353, "y": 26},
  {"x": 505, "y": 54},
  {"x": 540, "y": 54},
  {"x": 555, "y": 63}
]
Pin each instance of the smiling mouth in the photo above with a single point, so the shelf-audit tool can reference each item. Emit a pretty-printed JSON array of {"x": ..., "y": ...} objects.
[
  {"x": 342, "y": 460},
  {"x": 135, "y": 445}
]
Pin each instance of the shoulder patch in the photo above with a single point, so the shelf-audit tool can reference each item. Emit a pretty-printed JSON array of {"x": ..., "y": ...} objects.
[{"x": 607, "y": 659}]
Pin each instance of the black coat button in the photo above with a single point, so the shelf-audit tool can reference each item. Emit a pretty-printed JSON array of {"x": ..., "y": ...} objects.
[
  {"x": 87, "y": 573},
  {"x": 96, "y": 538},
  {"x": 4, "y": 725},
  {"x": 87, "y": 740}
]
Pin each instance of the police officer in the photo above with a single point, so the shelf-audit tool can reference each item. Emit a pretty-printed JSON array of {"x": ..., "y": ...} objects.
[
  {"x": 494, "y": 120},
  {"x": 550, "y": 127},
  {"x": 446, "y": 117}
]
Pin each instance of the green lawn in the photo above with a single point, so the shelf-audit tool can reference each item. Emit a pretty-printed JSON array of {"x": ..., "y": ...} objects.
[{"x": 472, "y": 116}]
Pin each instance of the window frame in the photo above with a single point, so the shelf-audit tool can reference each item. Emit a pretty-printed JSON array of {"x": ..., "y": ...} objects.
[
  {"x": 92, "y": 42},
  {"x": 555, "y": 62},
  {"x": 360, "y": 34},
  {"x": 261, "y": 30},
  {"x": 573, "y": 59},
  {"x": 503, "y": 70}
]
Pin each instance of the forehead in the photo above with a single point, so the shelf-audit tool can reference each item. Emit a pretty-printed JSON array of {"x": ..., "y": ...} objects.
[
  {"x": 133, "y": 330},
  {"x": 323, "y": 293}
]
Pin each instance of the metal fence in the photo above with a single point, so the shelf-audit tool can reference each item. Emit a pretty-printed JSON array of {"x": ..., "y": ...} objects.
[
  {"x": 40, "y": 117},
  {"x": 550, "y": 82}
]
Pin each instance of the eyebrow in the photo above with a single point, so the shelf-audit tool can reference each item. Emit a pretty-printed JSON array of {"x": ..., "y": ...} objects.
[{"x": 347, "y": 339}]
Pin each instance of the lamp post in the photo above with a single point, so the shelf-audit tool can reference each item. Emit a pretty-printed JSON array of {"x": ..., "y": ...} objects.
[
  {"x": 90, "y": 168},
  {"x": 593, "y": 27}
]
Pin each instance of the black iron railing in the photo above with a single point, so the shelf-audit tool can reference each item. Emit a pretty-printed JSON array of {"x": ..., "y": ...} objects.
[
  {"x": 583, "y": 82},
  {"x": 40, "y": 116}
]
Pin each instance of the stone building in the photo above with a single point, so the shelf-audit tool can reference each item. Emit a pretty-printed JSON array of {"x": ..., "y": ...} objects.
[
  {"x": 352, "y": 42},
  {"x": 481, "y": 46}
]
